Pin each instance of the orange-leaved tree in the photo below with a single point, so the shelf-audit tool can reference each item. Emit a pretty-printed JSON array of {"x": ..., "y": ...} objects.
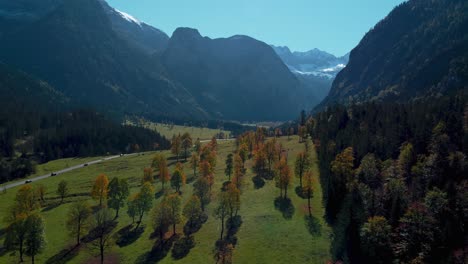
[
  {"x": 283, "y": 176},
  {"x": 99, "y": 190}
]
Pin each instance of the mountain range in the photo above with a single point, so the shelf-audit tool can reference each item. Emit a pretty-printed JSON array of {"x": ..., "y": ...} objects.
[
  {"x": 99, "y": 57},
  {"x": 419, "y": 50},
  {"x": 315, "y": 69}
]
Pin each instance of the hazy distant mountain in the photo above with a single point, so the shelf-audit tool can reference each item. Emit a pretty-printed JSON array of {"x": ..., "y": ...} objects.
[
  {"x": 315, "y": 69},
  {"x": 235, "y": 78},
  {"x": 420, "y": 49},
  {"x": 313, "y": 62}
]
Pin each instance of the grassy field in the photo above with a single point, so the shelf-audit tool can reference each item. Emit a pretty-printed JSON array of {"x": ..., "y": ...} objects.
[
  {"x": 169, "y": 130},
  {"x": 60, "y": 164},
  {"x": 265, "y": 236}
]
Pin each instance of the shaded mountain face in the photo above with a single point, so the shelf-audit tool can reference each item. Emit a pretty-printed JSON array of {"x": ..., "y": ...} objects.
[
  {"x": 76, "y": 50},
  {"x": 137, "y": 33},
  {"x": 315, "y": 69},
  {"x": 22, "y": 92},
  {"x": 141, "y": 35},
  {"x": 102, "y": 58},
  {"x": 29, "y": 10},
  {"x": 235, "y": 78},
  {"x": 420, "y": 49}
]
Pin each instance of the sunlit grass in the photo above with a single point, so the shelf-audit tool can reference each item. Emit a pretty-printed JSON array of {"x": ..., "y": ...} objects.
[{"x": 264, "y": 237}]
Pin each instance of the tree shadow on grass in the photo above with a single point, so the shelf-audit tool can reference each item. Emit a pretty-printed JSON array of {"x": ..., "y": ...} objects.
[
  {"x": 159, "y": 194},
  {"x": 3, "y": 251},
  {"x": 51, "y": 206},
  {"x": 224, "y": 186},
  {"x": 258, "y": 182},
  {"x": 182, "y": 247},
  {"x": 158, "y": 252},
  {"x": 91, "y": 236},
  {"x": 64, "y": 256},
  {"x": 233, "y": 224},
  {"x": 268, "y": 175},
  {"x": 300, "y": 192},
  {"x": 285, "y": 206},
  {"x": 128, "y": 235},
  {"x": 313, "y": 225},
  {"x": 190, "y": 179},
  {"x": 194, "y": 226}
]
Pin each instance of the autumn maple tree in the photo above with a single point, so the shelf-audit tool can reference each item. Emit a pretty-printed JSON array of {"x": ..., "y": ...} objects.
[{"x": 99, "y": 190}]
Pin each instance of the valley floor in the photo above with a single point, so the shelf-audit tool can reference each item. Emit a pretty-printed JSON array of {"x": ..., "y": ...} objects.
[{"x": 265, "y": 236}]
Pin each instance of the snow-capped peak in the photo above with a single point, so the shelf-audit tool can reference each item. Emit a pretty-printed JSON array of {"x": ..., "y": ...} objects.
[
  {"x": 337, "y": 68},
  {"x": 128, "y": 17}
]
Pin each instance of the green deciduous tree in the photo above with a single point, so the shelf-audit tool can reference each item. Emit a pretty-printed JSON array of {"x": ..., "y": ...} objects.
[
  {"x": 229, "y": 166},
  {"x": 178, "y": 177},
  {"x": 222, "y": 210},
  {"x": 195, "y": 161},
  {"x": 16, "y": 231},
  {"x": 141, "y": 202},
  {"x": 415, "y": 233},
  {"x": 35, "y": 237},
  {"x": 376, "y": 240},
  {"x": 186, "y": 144},
  {"x": 118, "y": 192},
  {"x": 192, "y": 210},
  {"x": 176, "y": 146},
  {"x": 201, "y": 188},
  {"x": 62, "y": 190},
  {"x": 308, "y": 188},
  {"x": 233, "y": 199},
  {"x": 160, "y": 219},
  {"x": 173, "y": 202},
  {"x": 78, "y": 219},
  {"x": 101, "y": 230},
  {"x": 302, "y": 165}
]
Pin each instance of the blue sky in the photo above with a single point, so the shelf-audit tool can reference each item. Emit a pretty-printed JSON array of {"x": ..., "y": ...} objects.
[{"x": 335, "y": 26}]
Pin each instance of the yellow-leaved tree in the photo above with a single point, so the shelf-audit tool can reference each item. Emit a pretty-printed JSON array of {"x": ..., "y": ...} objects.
[{"x": 99, "y": 191}]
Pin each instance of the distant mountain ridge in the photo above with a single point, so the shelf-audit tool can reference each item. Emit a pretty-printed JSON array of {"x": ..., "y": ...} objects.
[
  {"x": 236, "y": 78},
  {"x": 419, "y": 50},
  {"x": 104, "y": 58},
  {"x": 315, "y": 69},
  {"x": 313, "y": 62}
]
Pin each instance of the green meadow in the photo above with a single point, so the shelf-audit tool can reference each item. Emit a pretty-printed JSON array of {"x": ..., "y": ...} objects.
[{"x": 266, "y": 235}]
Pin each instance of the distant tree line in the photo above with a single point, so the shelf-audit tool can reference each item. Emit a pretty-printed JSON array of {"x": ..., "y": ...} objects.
[
  {"x": 40, "y": 137},
  {"x": 394, "y": 180}
]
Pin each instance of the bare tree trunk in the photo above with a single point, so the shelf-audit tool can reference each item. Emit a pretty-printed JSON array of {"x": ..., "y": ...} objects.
[
  {"x": 102, "y": 255},
  {"x": 21, "y": 251},
  {"x": 78, "y": 234},
  {"x": 222, "y": 228},
  {"x": 101, "y": 246}
]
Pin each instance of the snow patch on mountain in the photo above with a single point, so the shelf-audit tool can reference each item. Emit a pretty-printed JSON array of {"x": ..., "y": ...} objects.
[
  {"x": 337, "y": 68},
  {"x": 128, "y": 17}
]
